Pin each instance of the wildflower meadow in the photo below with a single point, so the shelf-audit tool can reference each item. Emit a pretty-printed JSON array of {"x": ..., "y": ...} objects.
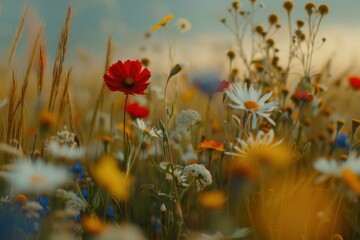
[{"x": 263, "y": 145}]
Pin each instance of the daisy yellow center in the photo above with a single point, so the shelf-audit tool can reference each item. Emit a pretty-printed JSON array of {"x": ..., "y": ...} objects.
[
  {"x": 129, "y": 81},
  {"x": 252, "y": 105},
  {"x": 38, "y": 179}
]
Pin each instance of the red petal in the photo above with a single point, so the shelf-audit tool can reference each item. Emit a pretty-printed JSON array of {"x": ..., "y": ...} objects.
[
  {"x": 127, "y": 66},
  {"x": 143, "y": 76},
  {"x": 135, "y": 68}
]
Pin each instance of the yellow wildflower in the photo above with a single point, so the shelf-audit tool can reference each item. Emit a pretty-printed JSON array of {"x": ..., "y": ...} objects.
[
  {"x": 214, "y": 199},
  {"x": 107, "y": 174},
  {"x": 163, "y": 22}
]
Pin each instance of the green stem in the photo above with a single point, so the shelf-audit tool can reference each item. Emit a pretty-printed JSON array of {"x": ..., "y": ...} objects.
[
  {"x": 124, "y": 127},
  {"x": 207, "y": 131}
]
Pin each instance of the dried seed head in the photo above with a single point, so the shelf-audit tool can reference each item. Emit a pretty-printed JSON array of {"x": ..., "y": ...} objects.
[
  {"x": 234, "y": 72},
  {"x": 299, "y": 24},
  {"x": 235, "y": 5},
  {"x": 252, "y": 1},
  {"x": 231, "y": 54},
  {"x": 259, "y": 29},
  {"x": 275, "y": 61},
  {"x": 288, "y": 6},
  {"x": 223, "y": 20},
  {"x": 310, "y": 8},
  {"x": 273, "y": 19},
  {"x": 327, "y": 111},
  {"x": 284, "y": 90},
  {"x": 330, "y": 129},
  {"x": 302, "y": 37},
  {"x": 323, "y": 9},
  {"x": 339, "y": 124},
  {"x": 259, "y": 67},
  {"x": 322, "y": 136},
  {"x": 147, "y": 35},
  {"x": 270, "y": 42},
  {"x": 145, "y": 61},
  {"x": 298, "y": 32},
  {"x": 307, "y": 122}
]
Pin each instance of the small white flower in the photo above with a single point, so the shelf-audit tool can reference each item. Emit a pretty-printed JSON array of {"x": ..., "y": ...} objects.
[
  {"x": 163, "y": 208},
  {"x": 187, "y": 119},
  {"x": 183, "y": 25},
  {"x": 5, "y": 199},
  {"x": 153, "y": 132},
  {"x": 177, "y": 172},
  {"x": 238, "y": 233},
  {"x": 37, "y": 177},
  {"x": 64, "y": 151},
  {"x": 73, "y": 204},
  {"x": 250, "y": 100},
  {"x": 65, "y": 137},
  {"x": 332, "y": 169},
  {"x": 200, "y": 173}
]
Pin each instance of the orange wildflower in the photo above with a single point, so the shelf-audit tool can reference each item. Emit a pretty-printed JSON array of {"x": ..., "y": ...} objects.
[
  {"x": 213, "y": 145},
  {"x": 93, "y": 225},
  {"x": 351, "y": 179}
]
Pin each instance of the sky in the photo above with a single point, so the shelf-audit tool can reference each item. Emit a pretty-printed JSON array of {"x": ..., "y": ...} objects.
[{"x": 126, "y": 21}]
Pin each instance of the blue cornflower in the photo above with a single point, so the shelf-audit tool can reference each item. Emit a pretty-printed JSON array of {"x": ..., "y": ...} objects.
[
  {"x": 110, "y": 213},
  {"x": 44, "y": 202},
  {"x": 85, "y": 193},
  {"x": 209, "y": 82},
  {"x": 342, "y": 141},
  {"x": 78, "y": 170}
]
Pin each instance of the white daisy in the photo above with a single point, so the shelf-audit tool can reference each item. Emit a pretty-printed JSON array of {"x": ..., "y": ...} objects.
[
  {"x": 153, "y": 132},
  {"x": 250, "y": 100},
  {"x": 38, "y": 177},
  {"x": 183, "y": 25},
  {"x": 333, "y": 169},
  {"x": 261, "y": 141}
]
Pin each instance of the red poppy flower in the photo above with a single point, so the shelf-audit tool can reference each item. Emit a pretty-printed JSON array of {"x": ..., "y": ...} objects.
[
  {"x": 128, "y": 77},
  {"x": 354, "y": 82},
  {"x": 137, "y": 111},
  {"x": 303, "y": 95}
]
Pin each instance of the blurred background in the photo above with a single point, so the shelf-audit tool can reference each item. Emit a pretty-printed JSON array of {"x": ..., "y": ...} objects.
[{"x": 205, "y": 45}]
